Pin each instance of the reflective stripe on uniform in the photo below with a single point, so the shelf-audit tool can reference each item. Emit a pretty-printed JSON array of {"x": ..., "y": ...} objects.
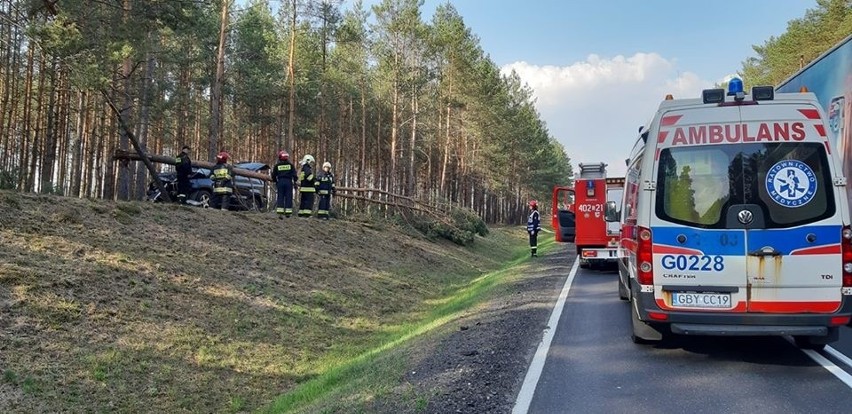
[
  {"x": 288, "y": 211},
  {"x": 222, "y": 190},
  {"x": 322, "y": 212},
  {"x": 323, "y": 192},
  {"x": 279, "y": 210},
  {"x": 307, "y": 190},
  {"x": 304, "y": 211}
]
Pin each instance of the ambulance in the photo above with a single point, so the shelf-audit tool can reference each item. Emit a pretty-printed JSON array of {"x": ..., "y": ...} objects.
[{"x": 735, "y": 220}]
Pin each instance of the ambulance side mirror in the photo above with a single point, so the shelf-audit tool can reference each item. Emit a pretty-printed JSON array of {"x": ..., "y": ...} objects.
[{"x": 611, "y": 212}]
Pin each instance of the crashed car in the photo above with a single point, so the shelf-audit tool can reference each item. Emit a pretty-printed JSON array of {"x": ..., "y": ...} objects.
[{"x": 249, "y": 193}]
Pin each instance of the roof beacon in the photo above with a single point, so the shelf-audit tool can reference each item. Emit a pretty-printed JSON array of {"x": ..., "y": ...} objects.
[{"x": 735, "y": 89}]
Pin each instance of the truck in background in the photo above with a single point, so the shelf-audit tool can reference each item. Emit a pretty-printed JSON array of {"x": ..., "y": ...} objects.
[
  {"x": 829, "y": 77},
  {"x": 586, "y": 214}
]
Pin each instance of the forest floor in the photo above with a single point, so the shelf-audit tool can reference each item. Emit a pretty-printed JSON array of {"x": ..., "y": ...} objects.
[{"x": 139, "y": 307}]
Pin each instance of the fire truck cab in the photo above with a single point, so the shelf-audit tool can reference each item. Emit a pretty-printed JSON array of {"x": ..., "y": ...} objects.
[{"x": 587, "y": 215}]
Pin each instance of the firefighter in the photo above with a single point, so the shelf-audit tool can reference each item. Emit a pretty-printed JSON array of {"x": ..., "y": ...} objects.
[
  {"x": 533, "y": 227},
  {"x": 223, "y": 182},
  {"x": 284, "y": 177},
  {"x": 307, "y": 187},
  {"x": 325, "y": 190},
  {"x": 183, "y": 167}
]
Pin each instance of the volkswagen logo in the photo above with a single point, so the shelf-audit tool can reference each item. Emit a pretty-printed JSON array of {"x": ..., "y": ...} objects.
[{"x": 745, "y": 216}]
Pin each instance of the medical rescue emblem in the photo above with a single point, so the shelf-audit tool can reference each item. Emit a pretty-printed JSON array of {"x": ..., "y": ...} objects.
[{"x": 791, "y": 183}]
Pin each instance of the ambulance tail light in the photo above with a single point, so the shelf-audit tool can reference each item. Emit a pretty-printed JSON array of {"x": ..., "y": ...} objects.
[
  {"x": 846, "y": 252},
  {"x": 763, "y": 93},
  {"x": 645, "y": 258},
  {"x": 713, "y": 96}
]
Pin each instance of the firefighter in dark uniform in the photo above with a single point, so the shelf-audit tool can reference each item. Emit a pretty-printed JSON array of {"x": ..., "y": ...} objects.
[
  {"x": 325, "y": 190},
  {"x": 533, "y": 227},
  {"x": 223, "y": 182},
  {"x": 307, "y": 187},
  {"x": 284, "y": 177},
  {"x": 183, "y": 167}
]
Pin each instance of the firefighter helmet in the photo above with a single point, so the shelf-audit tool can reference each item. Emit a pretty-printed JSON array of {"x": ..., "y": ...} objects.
[
  {"x": 222, "y": 157},
  {"x": 326, "y": 165},
  {"x": 283, "y": 155},
  {"x": 533, "y": 204},
  {"x": 308, "y": 159}
]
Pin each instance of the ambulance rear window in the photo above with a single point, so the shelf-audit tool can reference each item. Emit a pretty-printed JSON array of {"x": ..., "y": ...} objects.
[{"x": 789, "y": 181}]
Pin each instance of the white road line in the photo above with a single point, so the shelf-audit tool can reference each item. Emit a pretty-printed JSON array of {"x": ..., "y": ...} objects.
[
  {"x": 828, "y": 365},
  {"x": 525, "y": 396},
  {"x": 839, "y": 356}
]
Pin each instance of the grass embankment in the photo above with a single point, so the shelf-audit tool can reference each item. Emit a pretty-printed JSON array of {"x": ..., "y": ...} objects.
[
  {"x": 156, "y": 308},
  {"x": 353, "y": 385}
]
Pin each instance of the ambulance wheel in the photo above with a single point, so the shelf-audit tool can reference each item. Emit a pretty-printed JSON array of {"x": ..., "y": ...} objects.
[
  {"x": 807, "y": 342},
  {"x": 623, "y": 294},
  {"x": 642, "y": 333}
]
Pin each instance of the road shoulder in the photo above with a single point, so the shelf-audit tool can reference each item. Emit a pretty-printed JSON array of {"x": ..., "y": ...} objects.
[{"x": 478, "y": 362}]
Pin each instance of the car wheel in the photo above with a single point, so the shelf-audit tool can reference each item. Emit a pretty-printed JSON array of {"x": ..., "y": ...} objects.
[
  {"x": 641, "y": 333},
  {"x": 807, "y": 342},
  {"x": 203, "y": 198}
]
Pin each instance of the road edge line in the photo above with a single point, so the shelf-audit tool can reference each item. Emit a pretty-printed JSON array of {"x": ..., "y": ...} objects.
[
  {"x": 829, "y": 366},
  {"x": 839, "y": 356},
  {"x": 524, "y": 399}
]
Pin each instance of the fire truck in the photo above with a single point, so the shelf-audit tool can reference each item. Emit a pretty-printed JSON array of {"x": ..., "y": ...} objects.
[{"x": 587, "y": 215}]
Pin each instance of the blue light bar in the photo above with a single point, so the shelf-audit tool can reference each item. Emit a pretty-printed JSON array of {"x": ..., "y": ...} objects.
[{"x": 735, "y": 86}]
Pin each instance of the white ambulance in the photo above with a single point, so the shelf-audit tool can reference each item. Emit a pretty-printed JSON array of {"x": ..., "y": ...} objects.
[{"x": 735, "y": 220}]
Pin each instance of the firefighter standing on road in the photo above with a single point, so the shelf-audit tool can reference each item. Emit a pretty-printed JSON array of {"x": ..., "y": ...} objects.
[
  {"x": 307, "y": 187},
  {"x": 325, "y": 190},
  {"x": 183, "y": 167},
  {"x": 533, "y": 227},
  {"x": 284, "y": 177},
  {"x": 223, "y": 183}
]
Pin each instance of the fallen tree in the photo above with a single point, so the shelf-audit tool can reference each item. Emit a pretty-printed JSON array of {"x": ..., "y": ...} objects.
[
  {"x": 450, "y": 223},
  {"x": 409, "y": 202}
]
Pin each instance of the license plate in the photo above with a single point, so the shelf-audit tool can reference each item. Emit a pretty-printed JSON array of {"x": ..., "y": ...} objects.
[{"x": 701, "y": 300}]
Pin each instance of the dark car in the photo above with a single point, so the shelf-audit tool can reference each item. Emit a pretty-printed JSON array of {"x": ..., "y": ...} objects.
[{"x": 250, "y": 193}]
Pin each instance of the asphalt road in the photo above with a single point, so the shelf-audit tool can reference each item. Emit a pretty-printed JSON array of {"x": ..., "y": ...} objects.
[{"x": 592, "y": 366}]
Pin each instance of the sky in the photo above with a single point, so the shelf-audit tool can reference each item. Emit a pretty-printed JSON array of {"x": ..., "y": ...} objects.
[{"x": 599, "y": 68}]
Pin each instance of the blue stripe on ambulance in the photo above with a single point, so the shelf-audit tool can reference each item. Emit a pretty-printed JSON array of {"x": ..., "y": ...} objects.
[
  {"x": 788, "y": 240},
  {"x": 722, "y": 242}
]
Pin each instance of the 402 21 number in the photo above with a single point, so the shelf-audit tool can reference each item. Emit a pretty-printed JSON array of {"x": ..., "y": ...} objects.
[{"x": 697, "y": 263}]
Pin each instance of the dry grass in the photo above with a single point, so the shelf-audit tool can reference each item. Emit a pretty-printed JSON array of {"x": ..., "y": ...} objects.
[{"x": 135, "y": 307}]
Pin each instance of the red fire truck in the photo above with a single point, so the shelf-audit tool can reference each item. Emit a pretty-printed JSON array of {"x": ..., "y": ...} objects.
[{"x": 586, "y": 214}]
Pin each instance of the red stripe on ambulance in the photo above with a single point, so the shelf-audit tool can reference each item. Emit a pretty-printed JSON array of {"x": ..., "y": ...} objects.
[
  {"x": 831, "y": 249},
  {"x": 666, "y": 249},
  {"x": 793, "y": 307},
  {"x": 820, "y": 130},
  {"x": 810, "y": 113},
  {"x": 670, "y": 120}
]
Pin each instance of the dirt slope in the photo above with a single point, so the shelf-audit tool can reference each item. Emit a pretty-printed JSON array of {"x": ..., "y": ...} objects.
[{"x": 160, "y": 308}]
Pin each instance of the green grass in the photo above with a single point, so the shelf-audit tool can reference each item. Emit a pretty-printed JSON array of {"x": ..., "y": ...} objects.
[{"x": 379, "y": 369}]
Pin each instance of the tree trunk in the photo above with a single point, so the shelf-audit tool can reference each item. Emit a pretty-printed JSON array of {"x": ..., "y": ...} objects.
[
  {"x": 291, "y": 77},
  {"x": 411, "y": 146},
  {"x": 144, "y": 120},
  {"x": 218, "y": 84}
]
